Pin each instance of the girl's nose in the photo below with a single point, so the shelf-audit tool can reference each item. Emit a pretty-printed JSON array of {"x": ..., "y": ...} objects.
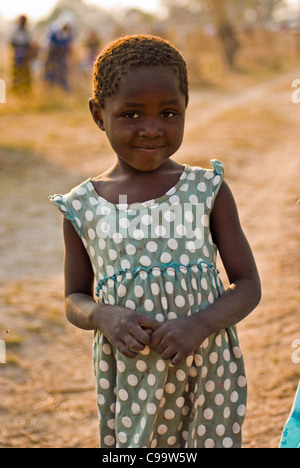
[{"x": 151, "y": 128}]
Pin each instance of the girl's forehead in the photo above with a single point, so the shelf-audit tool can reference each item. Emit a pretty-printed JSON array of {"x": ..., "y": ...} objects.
[{"x": 153, "y": 79}]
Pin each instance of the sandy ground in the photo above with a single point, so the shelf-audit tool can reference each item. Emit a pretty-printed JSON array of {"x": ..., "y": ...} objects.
[{"x": 47, "y": 384}]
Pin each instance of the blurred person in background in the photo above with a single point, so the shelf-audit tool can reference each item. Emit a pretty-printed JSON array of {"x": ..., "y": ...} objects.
[
  {"x": 24, "y": 52},
  {"x": 59, "y": 50},
  {"x": 92, "y": 44}
]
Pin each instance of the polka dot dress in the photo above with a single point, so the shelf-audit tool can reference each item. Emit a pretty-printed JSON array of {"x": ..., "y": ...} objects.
[{"x": 158, "y": 258}]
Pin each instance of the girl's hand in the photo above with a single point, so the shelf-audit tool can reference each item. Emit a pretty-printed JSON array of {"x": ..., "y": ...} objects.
[
  {"x": 177, "y": 339},
  {"x": 127, "y": 330}
]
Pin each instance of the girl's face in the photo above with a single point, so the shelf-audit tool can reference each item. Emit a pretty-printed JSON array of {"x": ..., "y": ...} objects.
[{"x": 144, "y": 121}]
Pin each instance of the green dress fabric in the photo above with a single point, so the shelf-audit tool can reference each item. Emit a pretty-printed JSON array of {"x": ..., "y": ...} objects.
[{"x": 159, "y": 259}]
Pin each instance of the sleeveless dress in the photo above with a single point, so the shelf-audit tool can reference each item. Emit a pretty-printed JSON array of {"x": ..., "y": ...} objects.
[{"x": 158, "y": 258}]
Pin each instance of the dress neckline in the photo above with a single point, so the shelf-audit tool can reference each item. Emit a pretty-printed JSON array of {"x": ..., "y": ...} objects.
[{"x": 146, "y": 204}]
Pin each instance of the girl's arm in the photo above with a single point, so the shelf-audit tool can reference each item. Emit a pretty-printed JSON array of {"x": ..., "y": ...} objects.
[
  {"x": 179, "y": 338},
  {"x": 123, "y": 327}
]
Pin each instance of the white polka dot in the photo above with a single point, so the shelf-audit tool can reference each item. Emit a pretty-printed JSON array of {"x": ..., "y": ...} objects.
[
  {"x": 171, "y": 440},
  {"x": 130, "y": 305},
  {"x": 122, "y": 291},
  {"x": 109, "y": 441},
  {"x": 159, "y": 393},
  {"x": 201, "y": 187},
  {"x": 142, "y": 394},
  {"x": 166, "y": 257},
  {"x": 126, "y": 421},
  {"x": 213, "y": 358},
  {"x": 138, "y": 291},
  {"x": 145, "y": 261},
  {"x": 106, "y": 348},
  {"x": 220, "y": 430},
  {"x": 132, "y": 380},
  {"x": 80, "y": 190},
  {"x": 103, "y": 366},
  {"x": 111, "y": 424},
  {"x": 121, "y": 366},
  {"x": 151, "y": 379},
  {"x": 170, "y": 388},
  {"x": 169, "y": 414},
  {"x": 174, "y": 200},
  {"x": 209, "y": 443},
  {"x": 180, "y": 402},
  {"x": 160, "y": 318},
  {"x": 241, "y": 411},
  {"x": 160, "y": 231},
  {"x": 151, "y": 246},
  {"x": 227, "y": 442},
  {"x": 169, "y": 287},
  {"x": 162, "y": 429},
  {"x": 208, "y": 414},
  {"x": 179, "y": 301},
  {"x": 201, "y": 430},
  {"x": 219, "y": 399},
  {"x": 193, "y": 200},
  {"x": 173, "y": 244},
  {"x": 141, "y": 366},
  {"x": 169, "y": 216},
  {"x": 216, "y": 180},
  {"x": 138, "y": 234},
  {"x": 104, "y": 383},
  {"x": 181, "y": 230},
  {"x": 205, "y": 220},
  {"x": 100, "y": 400},
  {"x": 184, "y": 259},
  {"x": 242, "y": 382},
  {"x": 102, "y": 244},
  {"x": 130, "y": 249},
  {"x": 104, "y": 227},
  {"x": 112, "y": 254},
  {"x": 180, "y": 375},
  {"x": 76, "y": 205},
  {"x": 151, "y": 408},
  {"x": 160, "y": 365},
  {"x": 236, "y": 428},
  {"x": 122, "y": 437},
  {"x": 146, "y": 220},
  {"x": 135, "y": 408},
  {"x": 237, "y": 352},
  {"x": 124, "y": 223},
  {"x": 209, "y": 386},
  {"x": 123, "y": 395},
  {"x": 155, "y": 289},
  {"x": 149, "y": 305},
  {"x": 91, "y": 234}
]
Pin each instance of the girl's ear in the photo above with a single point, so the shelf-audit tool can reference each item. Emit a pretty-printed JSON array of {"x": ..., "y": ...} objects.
[{"x": 96, "y": 114}]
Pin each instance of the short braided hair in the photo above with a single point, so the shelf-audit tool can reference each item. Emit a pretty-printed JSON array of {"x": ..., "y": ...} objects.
[{"x": 131, "y": 52}]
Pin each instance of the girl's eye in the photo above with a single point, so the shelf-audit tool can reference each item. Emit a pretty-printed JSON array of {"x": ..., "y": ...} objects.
[
  {"x": 131, "y": 115},
  {"x": 168, "y": 114}
]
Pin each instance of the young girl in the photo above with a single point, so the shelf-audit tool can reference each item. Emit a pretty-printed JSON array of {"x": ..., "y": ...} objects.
[{"x": 168, "y": 366}]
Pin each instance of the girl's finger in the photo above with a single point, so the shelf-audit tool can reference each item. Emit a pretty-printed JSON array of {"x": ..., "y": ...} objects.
[{"x": 124, "y": 350}]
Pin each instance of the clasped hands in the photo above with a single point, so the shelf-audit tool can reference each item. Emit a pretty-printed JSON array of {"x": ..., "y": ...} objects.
[{"x": 130, "y": 331}]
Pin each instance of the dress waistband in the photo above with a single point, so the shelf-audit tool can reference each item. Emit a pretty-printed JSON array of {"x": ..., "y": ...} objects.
[{"x": 175, "y": 266}]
